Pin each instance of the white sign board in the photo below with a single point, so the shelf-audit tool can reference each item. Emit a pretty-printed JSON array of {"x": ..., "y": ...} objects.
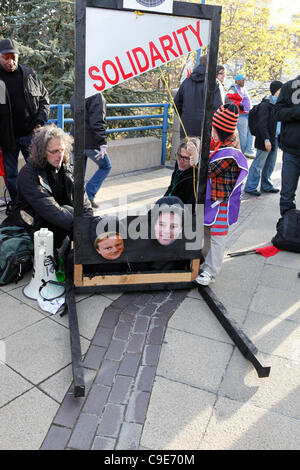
[
  {"x": 121, "y": 45},
  {"x": 163, "y": 6}
]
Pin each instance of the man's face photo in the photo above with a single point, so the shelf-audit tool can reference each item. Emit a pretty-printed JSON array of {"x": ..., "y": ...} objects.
[
  {"x": 110, "y": 247},
  {"x": 168, "y": 227}
]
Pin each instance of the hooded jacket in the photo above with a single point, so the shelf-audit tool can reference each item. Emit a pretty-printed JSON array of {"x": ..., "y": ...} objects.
[
  {"x": 95, "y": 120},
  {"x": 266, "y": 124},
  {"x": 189, "y": 101},
  {"x": 37, "y": 103},
  {"x": 287, "y": 110}
]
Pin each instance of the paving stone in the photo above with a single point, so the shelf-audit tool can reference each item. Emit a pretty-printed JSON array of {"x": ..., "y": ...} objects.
[
  {"x": 159, "y": 297},
  {"x": 111, "y": 420},
  {"x": 168, "y": 306},
  {"x": 131, "y": 309},
  {"x": 122, "y": 330},
  {"x": 94, "y": 357},
  {"x": 141, "y": 325},
  {"x": 69, "y": 410},
  {"x": 145, "y": 378},
  {"x": 179, "y": 295},
  {"x": 109, "y": 317},
  {"x": 124, "y": 300},
  {"x": 129, "y": 364},
  {"x": 137, "y": 407},
  {"x": 56, "y": 438},
  {"x": 121, "y": 389},
  {"x": 127, "y": 317},
  {"x": 84, "y": 432},
  {"x": 156, "y": 335},
  {"x": 116, "y": 350},
  {"x": 142, "y": 299},
  {"x": 130, "y": 436},
  {"x": 136, "y": 343},
  {"x": 103, "y": 336},
  {"x": 96, "y": 399},
  {"x": 107, "y": 372},
  {"x": 148, "y": 310},
  {"x": 151, "y": 354},
  {"x": 103, "y": 443}
]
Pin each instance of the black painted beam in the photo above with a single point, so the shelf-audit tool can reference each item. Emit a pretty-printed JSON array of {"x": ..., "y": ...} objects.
[{"x": 244, "y": 344}]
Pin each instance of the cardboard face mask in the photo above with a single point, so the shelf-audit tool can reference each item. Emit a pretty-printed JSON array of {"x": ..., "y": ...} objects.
[
  {"x": 168, "y": 227},
  {"x": 109, "y": 245}
]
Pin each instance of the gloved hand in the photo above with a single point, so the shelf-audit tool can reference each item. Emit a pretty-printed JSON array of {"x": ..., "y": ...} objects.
[{"x": 101, "y": 152}]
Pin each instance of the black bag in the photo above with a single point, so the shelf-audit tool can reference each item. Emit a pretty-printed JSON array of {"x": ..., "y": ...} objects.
[
  {"x": 16, "y": 250},
  {"x": 288, "y": 231},
  {"x": 253, "y": 119}
]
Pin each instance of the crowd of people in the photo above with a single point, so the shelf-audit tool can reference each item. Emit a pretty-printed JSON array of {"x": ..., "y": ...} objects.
[{"x": 42, "y": 195}]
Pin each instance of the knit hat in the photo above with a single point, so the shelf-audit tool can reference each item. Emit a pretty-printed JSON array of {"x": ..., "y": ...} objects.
[
  {"x": 239, "y": 76},
  {"x": 225, "y": 120},
  {"x": 8, "y": 46},
  {"x": 274, "y": 86}
]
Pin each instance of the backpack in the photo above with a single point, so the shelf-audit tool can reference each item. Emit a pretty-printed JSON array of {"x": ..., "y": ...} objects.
[
  {"x": 16, "y": 250},
  {"x": 253, "y": 119},
  {"x": 288, "y": 231}
]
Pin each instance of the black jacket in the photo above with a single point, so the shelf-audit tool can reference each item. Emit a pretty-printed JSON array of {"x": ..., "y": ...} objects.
[
  {"x": 37, "y": 101},
  {"x": 189, "y": 101},
  {"x": 182, "y": 185},
  {"x": 95, "y": 120},
  {"x": 266, "y": 124},
  {"x": 287, "y": 110},
  {"x": 36, "y": 199}
]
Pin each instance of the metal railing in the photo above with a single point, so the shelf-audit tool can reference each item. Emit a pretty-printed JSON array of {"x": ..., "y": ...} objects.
[{"x": 61, "y": 120}]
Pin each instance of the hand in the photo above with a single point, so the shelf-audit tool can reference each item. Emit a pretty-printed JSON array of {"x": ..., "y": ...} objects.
[
  {"x": 101, "y": 152},
  {"x": 192, "y": 150},
  {"x": 268, "y": 146}
]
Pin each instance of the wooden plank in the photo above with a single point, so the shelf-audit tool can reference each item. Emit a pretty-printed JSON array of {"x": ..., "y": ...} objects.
[
  {"x": 78, "y": 274},
  {"x": 195, "y": 268},
  {"x": 135, "y": 279}
]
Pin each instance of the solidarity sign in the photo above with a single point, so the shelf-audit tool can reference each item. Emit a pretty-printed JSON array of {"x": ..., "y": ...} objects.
[{"x": 135, "y": 43}]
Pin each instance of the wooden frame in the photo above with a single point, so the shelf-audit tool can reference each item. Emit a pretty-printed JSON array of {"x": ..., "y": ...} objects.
[{"x": 175, "y": 279}]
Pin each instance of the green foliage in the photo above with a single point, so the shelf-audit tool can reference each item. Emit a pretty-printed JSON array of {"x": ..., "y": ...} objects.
[{"x": 45, "y": 32}]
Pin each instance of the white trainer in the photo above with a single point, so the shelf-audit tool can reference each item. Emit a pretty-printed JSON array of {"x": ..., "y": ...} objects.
[{"x": 205, "y": 278}]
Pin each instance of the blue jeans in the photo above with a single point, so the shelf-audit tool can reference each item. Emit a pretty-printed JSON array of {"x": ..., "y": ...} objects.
[
  {"x": 104, "y": 167},
  {"x": 10, "y": 163},
  {"x": 250, "y": 150},
  {"x": 262, "y": 168},
  {"x": 242, "y": 127},
  {"x": 290, "y": 173}
]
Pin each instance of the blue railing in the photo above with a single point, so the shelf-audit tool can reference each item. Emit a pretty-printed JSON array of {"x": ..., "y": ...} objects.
[{"x": 61, "y": 120}]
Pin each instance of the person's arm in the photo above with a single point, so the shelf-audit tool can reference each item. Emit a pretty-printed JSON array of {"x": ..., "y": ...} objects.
[
  {"x": 284, "y": 109},
  {"x": 263, "y": 121},
  {"x": 44, "y": 104},
  {"x": 218, "y": 167},
  {"x": 41, "y": 200}
]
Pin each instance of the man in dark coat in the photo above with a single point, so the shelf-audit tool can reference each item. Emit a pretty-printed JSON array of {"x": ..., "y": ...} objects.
[
  {"x": 189, "y": 100},
  {"x": 287, "y": 110},
  {"x": 95, "y": 142},
  {"x": 46, "y": 188},
  {"x": 24, "y": 106},
  {"x": 266, "y": 143}
]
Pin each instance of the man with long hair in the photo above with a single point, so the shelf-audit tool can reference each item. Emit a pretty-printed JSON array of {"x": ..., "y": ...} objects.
[{"x": 45, "y": 194}]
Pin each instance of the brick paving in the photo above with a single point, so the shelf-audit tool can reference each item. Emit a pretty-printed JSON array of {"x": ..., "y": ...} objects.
[{"x": 120, "y": 367}]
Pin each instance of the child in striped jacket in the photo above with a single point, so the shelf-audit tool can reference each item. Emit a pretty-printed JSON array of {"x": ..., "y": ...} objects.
[{"x": 227, "y": 170}]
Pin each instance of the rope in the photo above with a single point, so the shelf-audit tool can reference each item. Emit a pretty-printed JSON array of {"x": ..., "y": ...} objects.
[{"x": 176, "y": 110}]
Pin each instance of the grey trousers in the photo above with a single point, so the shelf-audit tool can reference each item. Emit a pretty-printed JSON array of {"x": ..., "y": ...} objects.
[{"x": 213, "y": 251}]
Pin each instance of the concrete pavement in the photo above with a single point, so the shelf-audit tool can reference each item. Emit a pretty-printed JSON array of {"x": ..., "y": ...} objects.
[{"x": 160, "y": 370}]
